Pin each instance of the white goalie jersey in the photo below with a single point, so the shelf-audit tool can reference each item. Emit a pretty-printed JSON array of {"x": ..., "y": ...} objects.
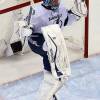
[
  {"x": 44, "y": 17},
  {"x": 63, "y": 16}
]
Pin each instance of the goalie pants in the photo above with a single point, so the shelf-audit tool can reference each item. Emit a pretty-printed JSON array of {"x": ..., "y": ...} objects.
[{"x": 35, "y": 42}]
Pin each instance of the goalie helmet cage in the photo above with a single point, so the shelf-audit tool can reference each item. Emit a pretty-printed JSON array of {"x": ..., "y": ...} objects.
[{"x": 36, "y": 1}]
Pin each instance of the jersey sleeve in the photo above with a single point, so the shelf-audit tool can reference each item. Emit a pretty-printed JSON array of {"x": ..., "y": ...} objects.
[
  {"x": 76, "y": 12},
  {"x": 72, "y": 17},
  {"x": 68, "y": 16}
]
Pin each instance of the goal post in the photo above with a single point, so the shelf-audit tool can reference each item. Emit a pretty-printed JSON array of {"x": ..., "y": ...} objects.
[{"x": 86, "y": 35}]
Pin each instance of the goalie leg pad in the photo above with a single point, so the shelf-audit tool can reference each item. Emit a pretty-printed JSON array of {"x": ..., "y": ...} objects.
[
  {"x": 49, "y": 87},
  {"x": 57, "y": 51}
]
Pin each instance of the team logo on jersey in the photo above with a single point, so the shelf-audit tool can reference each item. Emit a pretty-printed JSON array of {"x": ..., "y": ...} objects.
[{"x": 56, "y": 19}]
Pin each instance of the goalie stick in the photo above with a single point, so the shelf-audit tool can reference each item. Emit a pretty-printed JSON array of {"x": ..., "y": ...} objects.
[{"x": 29, "y": 18}]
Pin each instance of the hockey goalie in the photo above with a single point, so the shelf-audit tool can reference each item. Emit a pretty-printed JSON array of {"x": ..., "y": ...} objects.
[{"x": 44, "y": 43}]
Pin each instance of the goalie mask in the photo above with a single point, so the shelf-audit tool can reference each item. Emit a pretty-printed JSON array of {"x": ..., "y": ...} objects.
[{"x": 51, "y": 4}]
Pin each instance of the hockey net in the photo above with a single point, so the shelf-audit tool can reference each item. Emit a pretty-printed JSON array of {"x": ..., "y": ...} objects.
[{"x": 74, "y": 35}]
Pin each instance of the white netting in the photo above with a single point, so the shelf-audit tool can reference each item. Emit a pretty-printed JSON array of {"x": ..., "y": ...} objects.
[
  {"x": 74, "y": 34},
  {"x": 3, "y": 47}
]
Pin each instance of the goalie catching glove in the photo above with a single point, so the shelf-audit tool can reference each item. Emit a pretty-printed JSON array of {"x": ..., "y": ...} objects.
[{"x": 80, "y": 7}]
